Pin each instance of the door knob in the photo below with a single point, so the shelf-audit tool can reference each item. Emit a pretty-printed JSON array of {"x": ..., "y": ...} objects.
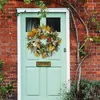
[{"x": 64, "y": 49}]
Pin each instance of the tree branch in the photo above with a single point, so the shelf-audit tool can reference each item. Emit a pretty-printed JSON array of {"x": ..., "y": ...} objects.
[
  {"x": 83, "y": 59},
  {"x": 86, "y": 28},
  {"x": 87, "y": 39},
  {"x": 71, "y": 6},
  {"x": 76, "y": 30}
]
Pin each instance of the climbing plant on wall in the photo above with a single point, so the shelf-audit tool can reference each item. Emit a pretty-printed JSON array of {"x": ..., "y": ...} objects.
[
  {"x": 74, "y": 8},
  {"x": 5, "y": 91},
  {"x": 2, "y": 3}
]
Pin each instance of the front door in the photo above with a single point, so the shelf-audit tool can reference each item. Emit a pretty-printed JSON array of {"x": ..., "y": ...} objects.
[{"x": 42, "y": 83}]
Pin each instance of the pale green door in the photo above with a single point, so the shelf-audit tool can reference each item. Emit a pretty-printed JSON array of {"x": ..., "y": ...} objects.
[{"x": 42, "y": 83}]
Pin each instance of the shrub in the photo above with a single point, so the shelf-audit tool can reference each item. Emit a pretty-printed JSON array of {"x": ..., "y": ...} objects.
[
  {"x": 1, "y": 65},
  {"x": 5, "y": 91},
  {"x": 89, "y": 90}
]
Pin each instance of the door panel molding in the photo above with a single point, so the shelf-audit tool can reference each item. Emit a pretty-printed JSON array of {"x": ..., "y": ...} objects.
[{"x": 67, "y": 54}]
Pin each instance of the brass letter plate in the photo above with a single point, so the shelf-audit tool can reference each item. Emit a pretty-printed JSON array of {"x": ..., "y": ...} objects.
[{"x": 43, "y": 64}]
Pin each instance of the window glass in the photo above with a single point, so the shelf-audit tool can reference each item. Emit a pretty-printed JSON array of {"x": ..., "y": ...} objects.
[
  {"x": 54, "y": 23},
  {"x": 31, "y": 23}
]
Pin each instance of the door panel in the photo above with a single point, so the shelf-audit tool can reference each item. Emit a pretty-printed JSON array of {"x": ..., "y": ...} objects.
[
  {"x": 53, "y": 87},
  {"x": 42, "y": 83},
  {"x": 32, "y": 81}
]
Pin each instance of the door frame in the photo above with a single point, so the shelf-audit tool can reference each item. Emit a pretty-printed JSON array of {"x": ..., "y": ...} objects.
[{"x": 22, "y": 10}]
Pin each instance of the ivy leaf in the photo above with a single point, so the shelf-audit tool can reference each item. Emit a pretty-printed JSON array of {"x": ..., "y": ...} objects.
[
  {"x": 82, "y": 52},
  {"x": 9, "y": 87},
  {"x": 17, "y": 14},
  {"x": 2, "y": 3},
  {"x": 1, "y": 65},
  {"x": 39, "y": 3},
  {"x": 27, "y": 1},
  {"x": 1, "y": 6},
  {"x": 1, "y": 78},
  {"x": 3, "y": 89},
  {"x": 93, "y": 19}
]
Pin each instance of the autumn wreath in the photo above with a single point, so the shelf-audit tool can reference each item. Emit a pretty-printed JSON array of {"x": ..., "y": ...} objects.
[{"x": 43, "y": 41}]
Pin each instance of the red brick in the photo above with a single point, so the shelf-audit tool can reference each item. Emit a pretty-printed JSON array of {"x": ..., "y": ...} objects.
[
  {"x": 8, "y": 42},
  {"x": 97, "y": 1}
]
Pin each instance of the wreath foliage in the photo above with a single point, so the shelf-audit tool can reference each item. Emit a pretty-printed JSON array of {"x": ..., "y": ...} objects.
[{"x": 43, "y": 41}]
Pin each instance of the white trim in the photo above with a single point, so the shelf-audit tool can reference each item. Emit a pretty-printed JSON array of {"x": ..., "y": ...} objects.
[
  {"x": 19, "y": 58},
  {"x": 68, "y": 49},
  {"x": 21, "y": 10}
]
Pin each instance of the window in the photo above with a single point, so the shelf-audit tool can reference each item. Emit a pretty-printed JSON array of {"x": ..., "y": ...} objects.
[
  {"x": 54, "y": 23},
  {"x": 31, "y": 23}
]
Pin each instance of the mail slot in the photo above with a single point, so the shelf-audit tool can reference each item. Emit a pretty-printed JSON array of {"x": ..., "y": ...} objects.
[{"x": 43, "y": 64}]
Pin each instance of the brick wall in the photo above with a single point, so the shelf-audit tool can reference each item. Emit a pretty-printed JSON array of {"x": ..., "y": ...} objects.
[
  {"x": 91, "y": 66},
  {"x": 8, "y": 43}
]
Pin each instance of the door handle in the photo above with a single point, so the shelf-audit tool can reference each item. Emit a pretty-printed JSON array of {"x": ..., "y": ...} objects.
[{"x": 64, "y": 49}]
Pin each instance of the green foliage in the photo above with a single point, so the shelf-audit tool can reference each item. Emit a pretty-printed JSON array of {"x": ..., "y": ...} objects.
[
  {"x": 1, "y": 77},
  {"x": 4, "y": 90},
  {"x": 65, "y": 95},
  {"x": 43, "y": 11},
  {"x": 40, "y": 4},
  {"x": 89, "y": 90},
  {"x": 93, "y": 23},
  {"x": 28, "y": 1},
  {"x": 96, "y": 39},
  {"x": 82, "y": 52},
  {"x": 2, "y": 3},
  {"x": 7, "y": 89},
  {"x": 1, "y": 65}
]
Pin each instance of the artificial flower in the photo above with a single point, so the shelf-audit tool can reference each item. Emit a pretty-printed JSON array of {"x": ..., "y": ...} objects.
[
  {"x": 29, "y": 34},
  {"x": 48, "y": 28},
  {"x": 34, "y": 44},
  {"x": 43, "y": 36},
  {"x": 51, "y": 48},
  {"x": 43, "y": 41},
  {"x": 37, "y": 54},
  {"x": 43, "y": 27},
  {"x": 44, "y": 55},
  {"x": 34, "y": 30}
]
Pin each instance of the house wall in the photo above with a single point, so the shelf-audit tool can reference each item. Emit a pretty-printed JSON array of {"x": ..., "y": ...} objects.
[{"x": 8, "y": 43}]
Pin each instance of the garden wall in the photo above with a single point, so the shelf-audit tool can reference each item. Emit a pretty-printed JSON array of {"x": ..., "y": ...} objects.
[{"x": 8, "y": 42}]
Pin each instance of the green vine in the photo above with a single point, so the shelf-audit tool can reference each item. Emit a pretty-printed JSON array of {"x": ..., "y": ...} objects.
[
  {"x": 82, "y": 52},
  {"x": 40, "y": 4},
  {"x": 2, "y": 3},
  {"x": 1, "y": 65},
  {"x": 93, "y": 23},
  {"x": 96, "y": 39},
  {"x": 74, "y": 8},
  {"x": 5, "y": 91}
]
